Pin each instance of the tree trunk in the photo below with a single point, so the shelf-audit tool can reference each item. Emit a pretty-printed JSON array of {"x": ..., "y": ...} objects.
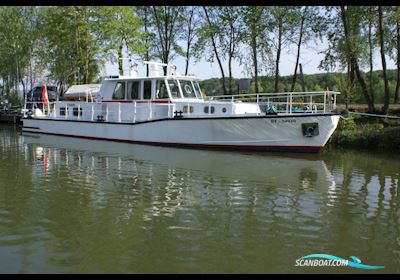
[
  {"x": 303, "y": 86},
  {"x": 353, "y": 61},
  {"x": 381, "y": 42},
  {"x": 120, "y": 61},
  {"x": 230, "y": 74},
  {"x": 371, "y": 65},
  {"x": 146, "y": 42},
  {"x": 230, "y": 58},
  {"x": 23, "y": 88},
  {"x": 189, "y": 40},
  {"x": 187, "y": 58},
  {"x": 278, "y": 54},
  {"x": 216, "y": 53},
  {"x": 298, "y": 49},
  {"x": 396, "y": 95},
  {"x": 255, "y": 61}
]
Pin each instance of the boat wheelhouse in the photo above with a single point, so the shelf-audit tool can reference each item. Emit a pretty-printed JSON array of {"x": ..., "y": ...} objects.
[{"x": 172, "y": 110}]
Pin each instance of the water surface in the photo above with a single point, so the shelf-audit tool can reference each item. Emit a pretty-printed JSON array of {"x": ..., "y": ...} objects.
[{"x": 70, "y": 205}]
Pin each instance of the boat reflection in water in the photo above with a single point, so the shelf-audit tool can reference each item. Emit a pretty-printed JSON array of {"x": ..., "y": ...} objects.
[{"x": 281, "y": 170}]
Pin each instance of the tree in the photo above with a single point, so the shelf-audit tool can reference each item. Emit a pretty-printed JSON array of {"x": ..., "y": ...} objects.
[
  {"x": 191, "y": 25},
  {"x": 352, "y": 57},
  {"x": 382, "y": 50},
  {"x": 369, "y": 17},
  {"x": 310, "y": 28},
  {"x": 167, "y": 23},
  {"x": 69, "y": 45},
  {"x": 343, "y": 30},
  {"x": 17, "y": 38},
  {"x": 210, "y": 33},
  {"x": 254, "y": 37},
  {"x": 393, "y": 23},
  {"x": 231, "y": 26},
  {"x": 280, "y": 27},
  {"x": 118, "y": 29},
  {"x": 148, "y": 38}
]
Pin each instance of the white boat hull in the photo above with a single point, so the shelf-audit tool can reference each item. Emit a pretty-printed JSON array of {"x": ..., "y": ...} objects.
[{"x": 279, "y": 133}]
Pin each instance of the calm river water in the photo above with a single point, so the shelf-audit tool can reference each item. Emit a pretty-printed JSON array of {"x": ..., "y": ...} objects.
[{"x": 80, "y": 206}]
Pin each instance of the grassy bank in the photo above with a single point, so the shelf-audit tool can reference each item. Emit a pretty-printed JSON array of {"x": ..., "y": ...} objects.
[{"x": 367, "y": 133}]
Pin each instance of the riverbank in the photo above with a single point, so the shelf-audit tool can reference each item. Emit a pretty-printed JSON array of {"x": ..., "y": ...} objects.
[
  {"x": 11, "y": 117},
  {"x": 367, "y": 133}
]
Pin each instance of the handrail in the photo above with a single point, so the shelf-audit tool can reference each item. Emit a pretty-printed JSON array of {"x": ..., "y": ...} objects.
[{"x": 277, "y": 93}]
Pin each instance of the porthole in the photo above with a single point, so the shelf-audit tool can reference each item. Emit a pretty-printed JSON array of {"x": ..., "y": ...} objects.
[{"x": 224, "y": 110}]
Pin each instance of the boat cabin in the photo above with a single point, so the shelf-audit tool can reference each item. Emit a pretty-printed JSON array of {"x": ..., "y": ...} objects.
[{"x": 150, "y": 88}]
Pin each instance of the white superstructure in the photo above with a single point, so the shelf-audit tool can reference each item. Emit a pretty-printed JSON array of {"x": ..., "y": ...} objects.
[{"x": 172, "y": 110}]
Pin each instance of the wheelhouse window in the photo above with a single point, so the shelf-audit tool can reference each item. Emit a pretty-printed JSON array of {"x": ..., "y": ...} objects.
[
  {"x": 187, "y": 89},
  {"x": 174, "y": 88},
  {"x": 119, "y": 91},
  {"x": 161, "y": 90},
  {"x": 133, "y": 90},
  {"x": 197, "y": 86},
  {"x": 147, "y": 90}
]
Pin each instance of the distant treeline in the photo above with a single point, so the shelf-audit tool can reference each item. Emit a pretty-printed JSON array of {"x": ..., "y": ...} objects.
[{"x": 313, "y": 82}]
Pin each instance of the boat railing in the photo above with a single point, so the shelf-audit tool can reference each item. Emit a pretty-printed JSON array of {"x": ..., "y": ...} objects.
[
  {"x": 38, "y": 108},
  {"x": 139, "y": 111},
  {"x": 102, "y": 111},
  {"x": 286, "y": 102}
]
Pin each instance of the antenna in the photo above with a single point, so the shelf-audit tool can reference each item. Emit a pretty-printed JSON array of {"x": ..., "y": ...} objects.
[{"x": 154, "y": 69}]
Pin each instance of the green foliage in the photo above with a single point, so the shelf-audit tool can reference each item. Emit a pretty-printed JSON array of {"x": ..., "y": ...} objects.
[
  {"x": 68, "y": 43},
  {"x": 362, "y": 133},
  {"x": 118, "y": 29},
  {"x": 346, "y": 87},
  {"x": 17, "y": 35}
]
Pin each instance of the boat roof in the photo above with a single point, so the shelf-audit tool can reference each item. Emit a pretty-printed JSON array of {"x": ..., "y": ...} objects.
[
  {"x": 133, "y": 78},
  {"x": 85, "y": 88}
]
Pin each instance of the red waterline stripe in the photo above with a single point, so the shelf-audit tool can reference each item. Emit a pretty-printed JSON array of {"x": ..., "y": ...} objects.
[{"x": 185, "y": 145}]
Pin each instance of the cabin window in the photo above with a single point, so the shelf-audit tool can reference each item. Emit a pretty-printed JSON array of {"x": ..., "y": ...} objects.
[
  {"x": 174, "y": 88},
  {"x": 147, "y": 90},
  {"x": 77, "y": 112},
  {"x": 133, "y": 90},
  {"x": 62, "y": 111},
  {"x": 161, "y": 90},
  {"x": 188, "y": 109},
  {"x": 119, "y": 91},
  {"x": 187, "y": 89},
  {"x": 206, "y": 109}
]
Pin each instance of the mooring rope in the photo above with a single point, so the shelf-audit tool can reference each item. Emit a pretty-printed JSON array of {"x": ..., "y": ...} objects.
[
  {"x": 374, "y": 115},
  {"x": 347, "y": 115}
]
